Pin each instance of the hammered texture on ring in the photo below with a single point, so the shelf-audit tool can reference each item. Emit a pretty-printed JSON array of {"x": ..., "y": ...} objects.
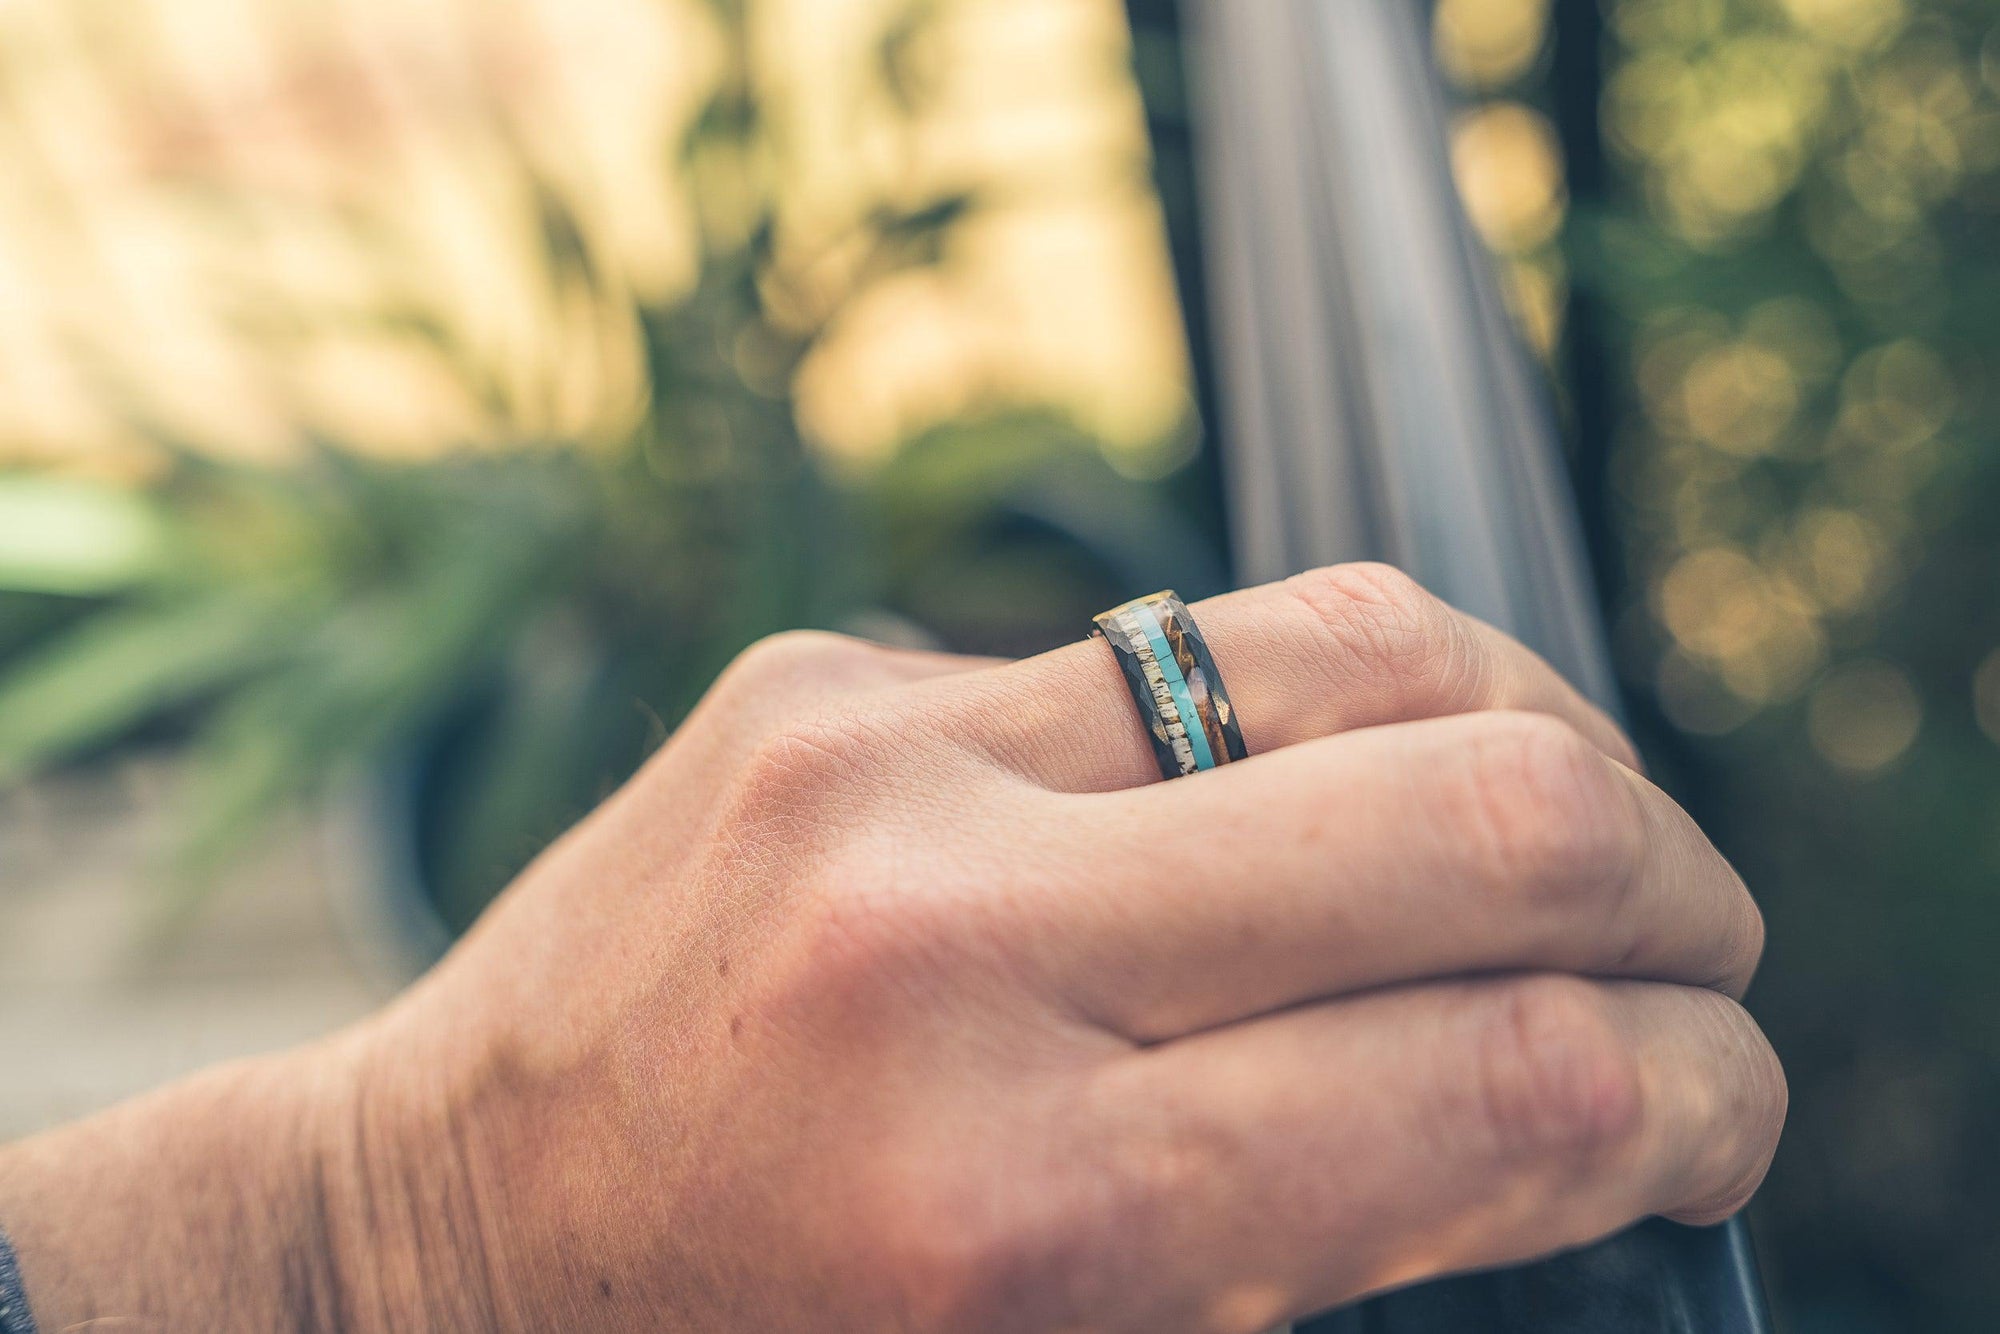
[{"x": 1174, "y": 683}]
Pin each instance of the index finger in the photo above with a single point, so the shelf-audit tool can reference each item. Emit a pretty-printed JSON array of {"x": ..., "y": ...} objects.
[{"x": 1329, "y": 651}]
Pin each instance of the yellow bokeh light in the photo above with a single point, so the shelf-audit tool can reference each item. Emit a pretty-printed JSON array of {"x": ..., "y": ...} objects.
[
  {"x": 908, "y": 330},
  {"x": 393, "y": 398},
  {"x": 1864, "y": 717},
  {"x": 1695, "y": 700},
  {"x": 1855, "y": 24},
  {"x": 1740, "y": 397},
  {"x": 1841, "y": 556},
  {"x": 245, "y": 260},
  {"x": 1755, "y": 628},
  {"x": 1780, "y": 471},
  {"x": 1720, "y": 132},
  {"x": 1509, "y": 170},
  {"x": 1488, "y": 43},
  {"x": 1667, "y": 23},
  {"x": 1897, "y": 396},
  {"x": 1536, "y": 289}
]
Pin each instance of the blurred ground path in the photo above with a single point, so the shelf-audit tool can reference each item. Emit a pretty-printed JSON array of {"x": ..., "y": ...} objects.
[{"x": 95, "y": 1006}]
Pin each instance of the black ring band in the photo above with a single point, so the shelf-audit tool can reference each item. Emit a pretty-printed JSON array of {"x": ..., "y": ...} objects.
[{"x": 1174, "y": 682}]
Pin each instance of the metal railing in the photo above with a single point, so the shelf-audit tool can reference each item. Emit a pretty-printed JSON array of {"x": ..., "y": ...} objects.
[{"x": 1367, "y": 397}]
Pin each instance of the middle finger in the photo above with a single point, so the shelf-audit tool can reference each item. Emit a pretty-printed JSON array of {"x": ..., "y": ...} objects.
[{"x": 1470, "y": 844}]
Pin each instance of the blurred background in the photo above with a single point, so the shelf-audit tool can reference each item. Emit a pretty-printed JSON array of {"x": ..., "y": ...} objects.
[{"x": 406, "y": 408}]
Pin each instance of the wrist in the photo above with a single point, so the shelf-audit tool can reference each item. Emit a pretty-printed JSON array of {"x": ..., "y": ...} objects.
[
  {"x": 342, "y": 1186},
  {"x": 195, "y": 1207},
  {"x": 404, "y": 1211},
  {"x": 449, "y": 1198}
]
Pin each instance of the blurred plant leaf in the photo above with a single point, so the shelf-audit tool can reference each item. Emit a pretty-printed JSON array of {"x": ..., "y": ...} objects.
[
  {"x": 74, "y": 537},
  {"x": 125, "y": 666},
  {"x": 387, "y": 660},
  {"x": 538, "y": 753}
]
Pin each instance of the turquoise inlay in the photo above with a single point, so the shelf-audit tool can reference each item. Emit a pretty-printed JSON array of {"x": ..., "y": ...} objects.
[{"x": 1204, "y": 758}]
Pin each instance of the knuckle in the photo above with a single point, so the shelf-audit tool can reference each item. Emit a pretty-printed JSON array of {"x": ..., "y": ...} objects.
[
  {"x": 1397, "y": 636},
  {"x": 1773, "y": 1109},
  {"x": 1556, "y": 820},
  {"x": 1744, "y": 949},
  {"x": 1733, "y": 1198},
  {"x": 1380, "y": 616},
  {"x": 927, "y": 1236},
  {"x": 849, "y": 960},
  {"x": 1053, "y": 1231},
  {"x": 1160, "y": 1157},
  {"x": 1757, "y": 1104},
  {"x": 1735, "y": 945},
  {"x": 1555, "y": 1077},
  {"x": 1369, "y": 583},
  {"x": 803, "y": 763},
  {"x": 843, "y": 967},
  {"x": 800, "y": 791},
  {"x": 962, "y": 1251},
  {"x": 794, "y": 660},
  {"x": 863, "y": 932},
  {"x": 1754, "y": 936}
]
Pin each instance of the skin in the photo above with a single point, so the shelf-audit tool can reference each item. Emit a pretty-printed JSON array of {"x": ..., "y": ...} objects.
[{"x": 897, "y": 993}]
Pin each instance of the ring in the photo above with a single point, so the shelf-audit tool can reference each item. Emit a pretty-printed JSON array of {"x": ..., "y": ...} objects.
[{"x": 1173, "y": 680}]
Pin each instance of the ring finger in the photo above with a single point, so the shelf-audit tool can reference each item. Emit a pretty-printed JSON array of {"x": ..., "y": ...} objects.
[{"x": 1330, "y": 651}]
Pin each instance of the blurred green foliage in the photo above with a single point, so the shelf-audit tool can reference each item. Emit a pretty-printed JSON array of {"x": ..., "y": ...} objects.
[
  {"x": 502, "y": 636},
  {"x": 1799, "y": 252},
  {"x": 1783, "y": 254}
]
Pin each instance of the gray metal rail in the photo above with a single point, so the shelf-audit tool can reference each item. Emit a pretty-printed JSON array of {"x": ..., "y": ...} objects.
[{"x": 1369, "y": 399}]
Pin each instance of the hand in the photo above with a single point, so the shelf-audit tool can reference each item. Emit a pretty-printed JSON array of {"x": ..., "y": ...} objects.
[{"x": 897, "y": 993}]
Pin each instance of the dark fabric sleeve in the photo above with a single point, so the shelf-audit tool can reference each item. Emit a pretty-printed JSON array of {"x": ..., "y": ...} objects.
[{"x": 15, "y": 1318}]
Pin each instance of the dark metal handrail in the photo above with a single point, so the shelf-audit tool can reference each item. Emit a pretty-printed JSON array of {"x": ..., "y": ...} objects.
[{"x": 1368, "y": 398}]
